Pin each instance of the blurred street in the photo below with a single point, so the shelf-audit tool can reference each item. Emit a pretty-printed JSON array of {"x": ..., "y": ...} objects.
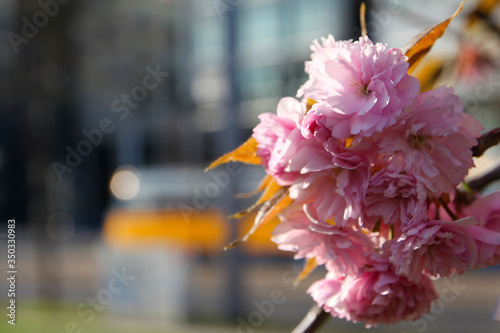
[{"x": 468, "y": 301}]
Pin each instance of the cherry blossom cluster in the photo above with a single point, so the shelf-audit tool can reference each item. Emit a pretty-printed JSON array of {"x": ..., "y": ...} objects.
[{"x": 372, "y": 165}]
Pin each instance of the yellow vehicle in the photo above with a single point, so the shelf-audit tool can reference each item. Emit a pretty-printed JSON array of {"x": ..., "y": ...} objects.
[{"x": 184, "y": 207}]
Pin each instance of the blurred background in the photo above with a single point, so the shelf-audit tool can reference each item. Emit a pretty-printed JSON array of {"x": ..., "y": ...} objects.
[{"x": 110, "y": 111}]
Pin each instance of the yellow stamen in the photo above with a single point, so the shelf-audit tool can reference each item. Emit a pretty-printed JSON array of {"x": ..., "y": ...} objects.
[
  {"x": 330, "y": 221},
  {"x": 309, "y": 103},
  {"x": 348, "y": 142}
]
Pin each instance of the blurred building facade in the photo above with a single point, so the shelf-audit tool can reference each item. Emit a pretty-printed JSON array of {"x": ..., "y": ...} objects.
[
  {"x": 90, "y": 86},
  {"x": 210, "y": 68}
]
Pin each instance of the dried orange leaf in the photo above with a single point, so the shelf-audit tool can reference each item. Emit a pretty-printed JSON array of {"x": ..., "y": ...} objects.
[
  {"x": 429, "y": 73},
  {"x": 420, "y": 45},
  {"x": 271, "y": 188},
  {"x": 267, "y": 215},
  {"x": 244, "y": 212},
  {"x": 246, "y": 153},
  {"x": 308, "y": 268},
  {"x": 268, "y": 212},
  {"x": 262, "y": 185}
]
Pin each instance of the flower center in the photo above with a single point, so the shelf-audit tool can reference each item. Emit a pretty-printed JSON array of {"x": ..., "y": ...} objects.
[
  {"x": 365, "y": 90},
  {"x": 416, "y": 140}
]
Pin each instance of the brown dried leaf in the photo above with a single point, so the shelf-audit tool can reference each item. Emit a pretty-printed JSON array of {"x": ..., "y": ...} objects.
[
  {"x": 421, "y": 44},
  {"x": 271, "y": 188},
  {"x": 262, "y": 185},
  {"x": 429, "y": 73},
  {"x": 246, "y": 153},
  {"x": 268, "y": 212},
  {"x": 308, "y": 268}
]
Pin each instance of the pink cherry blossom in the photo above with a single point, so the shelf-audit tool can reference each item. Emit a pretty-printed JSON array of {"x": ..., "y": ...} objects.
[
  {"x": 333, "y": 195},
  {"x": 439, "y": 248},
  {"x": 375, "y": 296},
  {"x": 359, "y": 154},
  {"x": 327, "y": 290},
  {"x": 487, "y": 234},
  {"x": 343, "y": 251},
  {"x": 365, "y": 165},
  {"x": 433, "y": 140},
  {"x": 486, "y": 210},
  {"x": 317, "y": 193},
  {"x": 283, "y": 151},
  {"x": 360, "y": 87},
  {"x": 397, "y": 198}
]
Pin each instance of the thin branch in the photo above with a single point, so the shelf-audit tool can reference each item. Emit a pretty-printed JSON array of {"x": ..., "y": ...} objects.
[
  {"x": 448, "y": 210},
  {"x": 481, "y": 182},
  {"x": 314, "y": 319},
  {"x": 486, "y": 141}
]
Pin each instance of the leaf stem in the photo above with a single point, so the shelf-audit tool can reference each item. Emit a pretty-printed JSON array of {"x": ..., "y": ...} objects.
[
  {"x": 448, "y": 210},
  {"x": 362, "y": 20}
]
